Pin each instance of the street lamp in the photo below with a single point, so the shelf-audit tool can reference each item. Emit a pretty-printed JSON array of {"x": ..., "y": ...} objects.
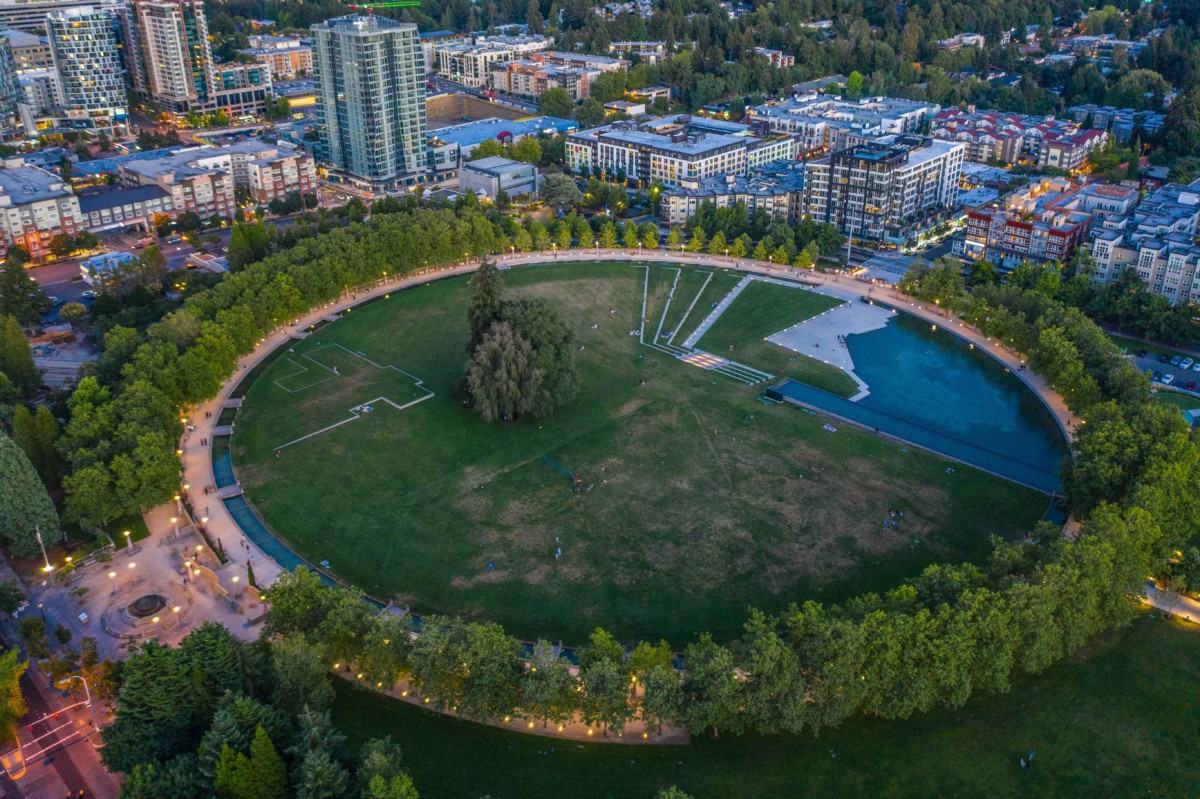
[
  {"x": 178, "y": 618},
  {"x": 237, "y": 589},
  {"x": 113, "y": 576},
  {"x": 175, "y": 523},
  {"x": 48, "y": 568},
  {"x": 87, "y": 691},
  {"x": 128, "y": 541}
]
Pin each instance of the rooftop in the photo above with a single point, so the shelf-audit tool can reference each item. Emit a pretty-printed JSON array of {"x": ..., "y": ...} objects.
[
  {"x": 119, "y": 197},
  {"x": 496, "y": 165},
  {"x": 103, "y": 166},
  {"x": 27, "y": 184},
  {"x": 468, "y": 134}
]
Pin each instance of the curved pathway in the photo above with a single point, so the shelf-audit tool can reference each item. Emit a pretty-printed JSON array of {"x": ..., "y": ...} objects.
[{"x": 197, "y": 462}]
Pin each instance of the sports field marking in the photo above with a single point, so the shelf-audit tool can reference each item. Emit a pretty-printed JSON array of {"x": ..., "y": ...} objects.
[
  {"x": 319, "y": 369},
  {"x": 667, "y": 307},
  {"x": 357, "y": 412},
  {"x": 688, "y": 312}
]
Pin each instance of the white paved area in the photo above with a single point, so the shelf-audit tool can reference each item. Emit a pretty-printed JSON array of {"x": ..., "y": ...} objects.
[
  {"x": 715, "y": 314},
  {"x": 822, "y": 336}
]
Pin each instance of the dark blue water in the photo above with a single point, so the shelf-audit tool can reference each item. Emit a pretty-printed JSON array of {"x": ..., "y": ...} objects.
[{"x": 933, "y": 389}]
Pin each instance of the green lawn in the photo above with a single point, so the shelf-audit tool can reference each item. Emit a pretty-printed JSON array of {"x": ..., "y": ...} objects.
[
  {"x": 722, "y": 283},
  {"x": 704, "y": 500},
  {"x": 1133, "y": 345},
  {"x": 761, "y": 310},
  {"x": 1117, "y": 720},
  {"x": 1181, "y": 401}
]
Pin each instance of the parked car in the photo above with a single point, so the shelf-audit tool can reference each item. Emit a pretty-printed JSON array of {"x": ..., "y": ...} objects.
[
  {"x": 54, "y": 301},
  {"x": 1175, "y": 361},
  {"x": 1141, "y": 353},
  {"x": 89, "y": 295},
  {"x": 1163, "y": 358},
  {"x": 1190, "y": 385},
  {"x": 1168, "y": 379},
  {"x": 1157, "y": 377},
  {"x": 1196, "y": 367},
  {"x": 1186, "y": 363}
]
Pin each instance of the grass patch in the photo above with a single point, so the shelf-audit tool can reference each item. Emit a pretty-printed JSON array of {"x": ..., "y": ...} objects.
[
  {"x": 704, "y": 501},
  {"x": 763, "y": 309},
  {"x": 1118, "y": 719},
  {"x": 722, "y": 283},
  {"x": 1133, "y": 345},
  {"x": 1181, "y": 401}
]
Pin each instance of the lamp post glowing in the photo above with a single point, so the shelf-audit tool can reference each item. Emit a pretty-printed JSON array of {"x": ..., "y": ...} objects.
[
  {"x": 237, "y": 589},
  {"x": 128, "y": 541},
  {"x": 175, "y": 524},
  {"x": 87, "y": 691},
  {"x": 178, "y": 618},
  {"x": 48, "y": 568},
  {"x": 113, "y": 576}
]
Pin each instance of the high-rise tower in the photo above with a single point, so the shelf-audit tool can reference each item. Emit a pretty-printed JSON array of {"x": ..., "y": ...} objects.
[{"x": 370, "y": 99}]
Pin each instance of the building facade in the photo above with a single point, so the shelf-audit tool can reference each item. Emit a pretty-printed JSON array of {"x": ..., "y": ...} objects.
[
  {"x": 885, "y": 189},
  {"x": 1158, "y": 240},
  {"x": 83, "y": 43},
  {"x": 35, "y": 206},
  {"x": 487, "y": 177},
  {"x": 778, "y": 59},
  {"x": 825, "y": 124},
  {"x": 122, "y": 208},
  {"x": 676, "y": 150},
  {"x": 29, "y": 50},
  {"x": 285, "y": 57},
  {"x": 776, "y": 190},
  {"x": 371, "y": 99},
  {"x": 30, "y": 15},
  {"x": 10, "y": 87},
  {"x": 171, "y": 39}
]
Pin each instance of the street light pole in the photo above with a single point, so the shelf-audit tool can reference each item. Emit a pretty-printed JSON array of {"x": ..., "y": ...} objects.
[
  {"x": 88, "y": 692},
  {"x": 38, "y": 530}
]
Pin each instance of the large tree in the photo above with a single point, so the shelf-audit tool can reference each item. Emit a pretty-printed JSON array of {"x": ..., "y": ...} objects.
[
  {"x": 501, "y": 376},
  {"x": 556, "y": 102},
  {"x": 16, "y": 358},
  {"x": 20, "y": 296},
  {"x": 561, "y": 191},
  {"x": 487, "y": 302},
  {"x": 12, "y": 703},
  {"x": 25, "y": 507}
]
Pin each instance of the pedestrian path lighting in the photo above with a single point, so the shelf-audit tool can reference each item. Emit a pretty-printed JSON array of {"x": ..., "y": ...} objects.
[
  {"x": 48, "y": 568},
  {"x": 237, "y": 589},
  {"x": 128, "y": 540},
  {"x": 178, "y": 618},
  {"x": 113, "y": 576}
]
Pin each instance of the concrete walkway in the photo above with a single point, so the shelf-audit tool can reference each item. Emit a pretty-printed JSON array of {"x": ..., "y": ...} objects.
[
  {"x": 823, "y": 336},
  {"x": 197, "y": 462},
  {"x": 1182, "y": 606},
  {"x": 715, "y": 314}
]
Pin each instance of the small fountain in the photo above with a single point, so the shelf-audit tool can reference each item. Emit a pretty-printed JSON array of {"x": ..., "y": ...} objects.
[{"x": 146, "y": 606}]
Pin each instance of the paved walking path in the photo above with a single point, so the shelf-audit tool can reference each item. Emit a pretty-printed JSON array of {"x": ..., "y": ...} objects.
[
  {"x": 1182, "y": 606},
  {"x": 715, "y": 314},
  {"x": 196, "y": 457},
  {"x": 197, "y": 461}
]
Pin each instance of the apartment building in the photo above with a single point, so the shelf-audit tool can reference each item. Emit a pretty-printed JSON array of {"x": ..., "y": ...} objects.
[
  {"x": 35, "y": 206},
  {"x": 173, "y": 51},
  {"x": 487, "y": 177},
  {"x": 776, "y": 190},
  {"x": 990, "y": 135},
  {"x": 778, "y": 59},
  {"x": 121, "y": 208},
  {"x": 84, "y": 48},
  {"x": 285, "y": 57},
  {"x": 202, "y": 179},
  {"x": 470, "y": 64},
  {"x": 1158, "y": 239},
  {"x": 30, "y": 15},
  {"x": 1043, "y": 222},
  {"x": 824, "y": 123},
  {"x": 431, "y": 41},
  {"x": 1070, "y": 152},
  {"x": 885, "y": 189},
  {"x": 1123, "y": 124},
  {"x": 533, "y": 78},
  {"x": 29, "y": 50},
  {"x": 648, "y": 51},
  {"x": 677, "y": 150},
  {"x": 10, "y": 87},
  {"x": 371, "y": 99}
]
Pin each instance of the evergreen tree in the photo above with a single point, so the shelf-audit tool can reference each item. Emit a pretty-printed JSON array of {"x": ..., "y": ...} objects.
[
  {"x": 25, "y": 507},
  {"x": 16, "y": 358},
  {"x": 154, "y": 709},
  {"x": 12, "y": 703},
  {"x": 487, "y": 302},
  {"x": 20, "y": 297},
  {"x": 262, "y": 775}
]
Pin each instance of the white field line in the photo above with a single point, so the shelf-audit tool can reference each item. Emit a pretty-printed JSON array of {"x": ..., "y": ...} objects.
[
  {"x": 355, "y": 415},
  {"x": 662, "y": 319},
  {"x": 688, "y": 312}
]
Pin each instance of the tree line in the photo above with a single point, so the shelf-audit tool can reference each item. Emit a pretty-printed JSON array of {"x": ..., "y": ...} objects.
[
  {"x": 931, "y": 642},
  {"x": 215, "y": 717}
]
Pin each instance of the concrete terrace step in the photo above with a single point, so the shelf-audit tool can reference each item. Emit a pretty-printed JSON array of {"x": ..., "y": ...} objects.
[{"x": 715, "y": 314}]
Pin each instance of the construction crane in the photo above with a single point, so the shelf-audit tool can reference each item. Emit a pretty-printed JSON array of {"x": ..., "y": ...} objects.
[{"x": 370, "y": 7}]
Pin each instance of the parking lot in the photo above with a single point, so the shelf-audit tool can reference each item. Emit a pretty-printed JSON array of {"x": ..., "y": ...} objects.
[{"x": 1184, "y": 373}]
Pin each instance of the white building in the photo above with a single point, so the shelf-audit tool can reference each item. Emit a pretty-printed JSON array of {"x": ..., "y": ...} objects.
[
  {"x": 885, "y": 189},
  {"x": 84, "y": 47},
  {"x": 470, "y": 64},
  {"x": 823, "y": 122},
  {"x": 35, "y": 206},
  {"x": 1158, "y": 239}
]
